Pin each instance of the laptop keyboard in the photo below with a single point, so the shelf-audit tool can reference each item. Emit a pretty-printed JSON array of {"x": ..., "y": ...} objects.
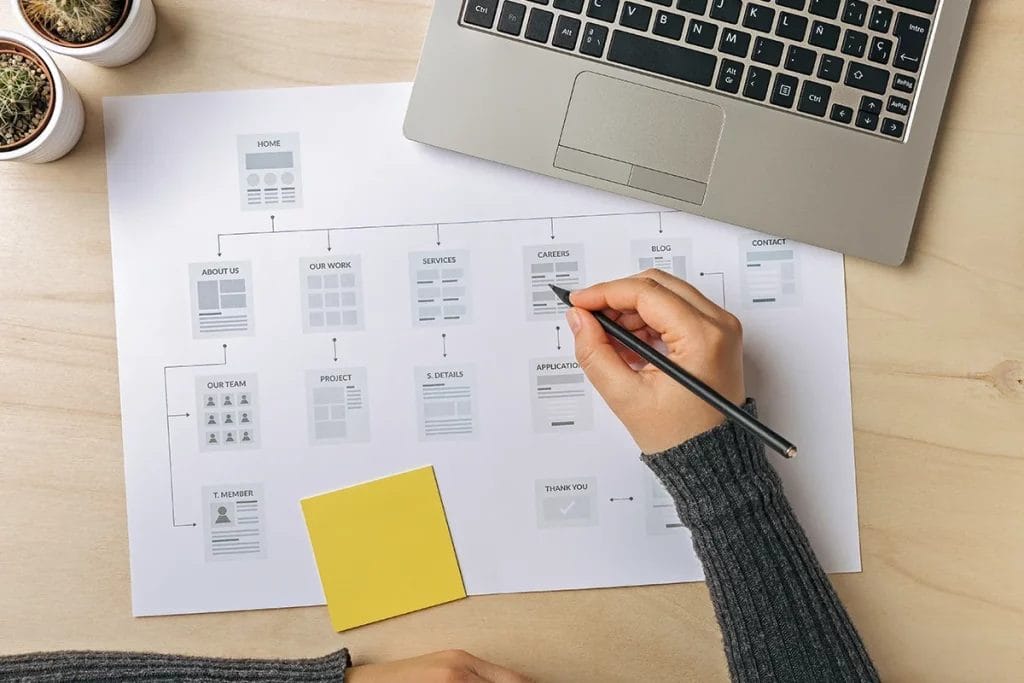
[{"x": 851, "y": 63}]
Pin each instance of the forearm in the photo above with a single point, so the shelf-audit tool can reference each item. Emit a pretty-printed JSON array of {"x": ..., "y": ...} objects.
[
  {"x": 121, "y": 666},
  {"x": 780, "y": 617}
]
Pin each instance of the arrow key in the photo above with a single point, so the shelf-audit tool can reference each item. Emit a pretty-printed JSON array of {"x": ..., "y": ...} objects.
[
  {"x": 841, "y": 114},
  {"x": 867, "y": 120},
  {"x": 866, "y": 77},
  {"x": 892, "y": 128}
]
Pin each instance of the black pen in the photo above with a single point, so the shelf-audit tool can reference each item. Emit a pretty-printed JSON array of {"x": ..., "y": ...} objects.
[{"x": 723, "y": 405}]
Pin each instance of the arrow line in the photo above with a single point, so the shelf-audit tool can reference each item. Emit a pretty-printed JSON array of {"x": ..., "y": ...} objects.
[
  {"x": 618, "y": 499},
  {"x": 328, "y": 240},
  {"x": 437, "y": 233},
  {"x": 660, "y": 229},
  {"x": 167, "y": 411},
  {"x": 444, "y": 344},
  {"x": 558, "y": 336},
  {"x": 273, "y": 228},
  {"x": 218, "y": 245},
  {"x": 552, "y": 227},
  {"x": 179, "y": 415},
  {"x": 335, "y": 340}
]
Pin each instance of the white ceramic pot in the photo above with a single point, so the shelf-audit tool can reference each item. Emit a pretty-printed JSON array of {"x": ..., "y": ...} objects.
[
  {"x": 64, "y": 128},
  {"x": 124, "y": 45}
]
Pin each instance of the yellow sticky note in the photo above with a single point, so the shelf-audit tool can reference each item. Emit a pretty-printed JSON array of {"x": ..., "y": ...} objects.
[{"x": 383, "y": 548}]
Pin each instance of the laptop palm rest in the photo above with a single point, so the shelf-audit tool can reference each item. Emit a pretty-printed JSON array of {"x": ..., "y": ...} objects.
[{"x": 640, "y": 137}]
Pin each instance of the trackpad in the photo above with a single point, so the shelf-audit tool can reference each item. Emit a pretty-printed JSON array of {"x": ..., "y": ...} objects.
[{"x": 641, "y": 137}]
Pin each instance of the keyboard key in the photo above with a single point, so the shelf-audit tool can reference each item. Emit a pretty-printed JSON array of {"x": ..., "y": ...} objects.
[
  {"x": 635, "y": 16},
  {"x": 784, "y": 92},
  {"x": 903, "y": 83},
  {"x": 569, "y": 5},
  {"x": 814, "y": 98},
  {"x": 668, "y": 25},
  {"x": 726, "y": 10},
  {"x": 791, "y": 26},
  {"x": 666, "y": 3},
  {"x": 855, "y": 12},
  {"x": 825, "y": 8},
  {"x": 867, "y": 78},
  {"x": 538, "y": 28},
  {"x": 730, "y": 76},
  {"x": 855, "y": 43},
  {"x": 800, "y": 59},
  {"x": 511, "y": 17},
  {"x": 926, "y": 6},
  {"x": 898, "y": 105},
  {"x": 595, "y": 37},
  {"x": 693, "y": 6},
  {"x": 881, "y": 19},
  {"x": 867, "y": 120},
  {"x": 841, "y": 114},
  {"x": 567, "y": 32},
  {"x": 767, "y": 51},
  {"x": 662, "y": 58},
  {"x": 756, "y": 85},
  {"x": 830, "y": 68},
  {"x": 605, "y": 10},
  {"x": 734, "y": 42},
  {"x": 881, "y": 50},
  {"x": 759, "y": 18},
  {"x": 871, "y": 105},
  {"x": 824, "y": 35},
  {"x": 912, "y": 34},
  {"x": 892, "y": 128},
  {"x": 481, "y": 13},
  {"x": 702, "y": 33},
  {"x": 793, "y": 4}
]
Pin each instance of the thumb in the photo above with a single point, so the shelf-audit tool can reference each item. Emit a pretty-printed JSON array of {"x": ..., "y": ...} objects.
[{"x": 597, "y": 355}]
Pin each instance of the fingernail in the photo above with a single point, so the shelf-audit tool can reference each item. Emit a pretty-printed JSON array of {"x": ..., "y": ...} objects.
[{"x": 573, "y": 316}]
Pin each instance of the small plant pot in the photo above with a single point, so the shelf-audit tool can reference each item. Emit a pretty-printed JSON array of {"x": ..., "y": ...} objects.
[
  {"x": 60, "y": 128},
  {"x": 124, "y": 41}
]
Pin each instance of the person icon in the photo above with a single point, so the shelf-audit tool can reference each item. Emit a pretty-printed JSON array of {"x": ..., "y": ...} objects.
[
  {"x": 227, "y": 401},
  {"x": 246, "y": 437},
  {"x": 243, "y": 400},
  {"x": 210, "y": 403},
  {"x": 228, "y": 420},
  {"x": 245, "y": 418},
  {"x": 222, "y": 516},
  {"x": 211, "y": 419},
  {"x": 230, "y": 438},
  {"x": 211, "y": 438}
]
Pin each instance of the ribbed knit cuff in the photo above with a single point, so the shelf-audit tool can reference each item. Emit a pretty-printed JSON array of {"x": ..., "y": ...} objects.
[
  {"x": 134, "y": 666},
  {"x": 722, "y": 471}
]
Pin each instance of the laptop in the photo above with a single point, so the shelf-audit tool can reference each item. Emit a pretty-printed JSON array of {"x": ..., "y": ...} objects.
[{"x": 810, "y": 119}]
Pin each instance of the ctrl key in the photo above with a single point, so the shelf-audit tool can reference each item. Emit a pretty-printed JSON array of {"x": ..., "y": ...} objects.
[{"x": 481, "y": 12}]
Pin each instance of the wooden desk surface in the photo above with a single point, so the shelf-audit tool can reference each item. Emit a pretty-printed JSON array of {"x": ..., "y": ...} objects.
[{"x": 937, "y": 350}]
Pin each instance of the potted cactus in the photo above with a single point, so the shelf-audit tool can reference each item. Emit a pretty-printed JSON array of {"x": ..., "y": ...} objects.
[
  {"x": 103, "y": 32},
  {"x": 41, "y": 114}
]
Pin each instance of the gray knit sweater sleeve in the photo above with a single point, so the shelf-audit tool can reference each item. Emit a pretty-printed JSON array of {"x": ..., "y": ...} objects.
[
  {"x": 780, "y": 618},
  {"x": 54, "y": 667}
]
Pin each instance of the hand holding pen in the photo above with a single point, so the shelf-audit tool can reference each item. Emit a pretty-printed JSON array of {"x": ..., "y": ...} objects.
[{"x": 663, "y": 399}]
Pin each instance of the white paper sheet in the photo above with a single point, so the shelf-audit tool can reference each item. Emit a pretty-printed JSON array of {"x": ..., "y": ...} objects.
[{"x": 306, "y": 300}]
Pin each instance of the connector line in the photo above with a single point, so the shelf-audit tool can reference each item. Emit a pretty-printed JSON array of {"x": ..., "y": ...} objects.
[
  {"x": 437, "y": 226},
  {"x": 169, "y": 414},
  {"x": 444, "y": 345},
  {"x": 558, "y": 337}
]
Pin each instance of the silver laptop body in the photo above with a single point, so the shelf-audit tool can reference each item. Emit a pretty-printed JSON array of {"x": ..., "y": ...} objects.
[{"x": 774, "y": 115}]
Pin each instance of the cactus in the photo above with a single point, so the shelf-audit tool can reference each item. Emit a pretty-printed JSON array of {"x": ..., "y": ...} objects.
[
  {"x": 77, "y": 21},
  {"x": 24, "y": 98},
  {"x": 20, "y": 88}
]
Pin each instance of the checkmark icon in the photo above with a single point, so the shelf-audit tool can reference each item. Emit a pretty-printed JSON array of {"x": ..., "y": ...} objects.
[{"x": 568, "y": 507}]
